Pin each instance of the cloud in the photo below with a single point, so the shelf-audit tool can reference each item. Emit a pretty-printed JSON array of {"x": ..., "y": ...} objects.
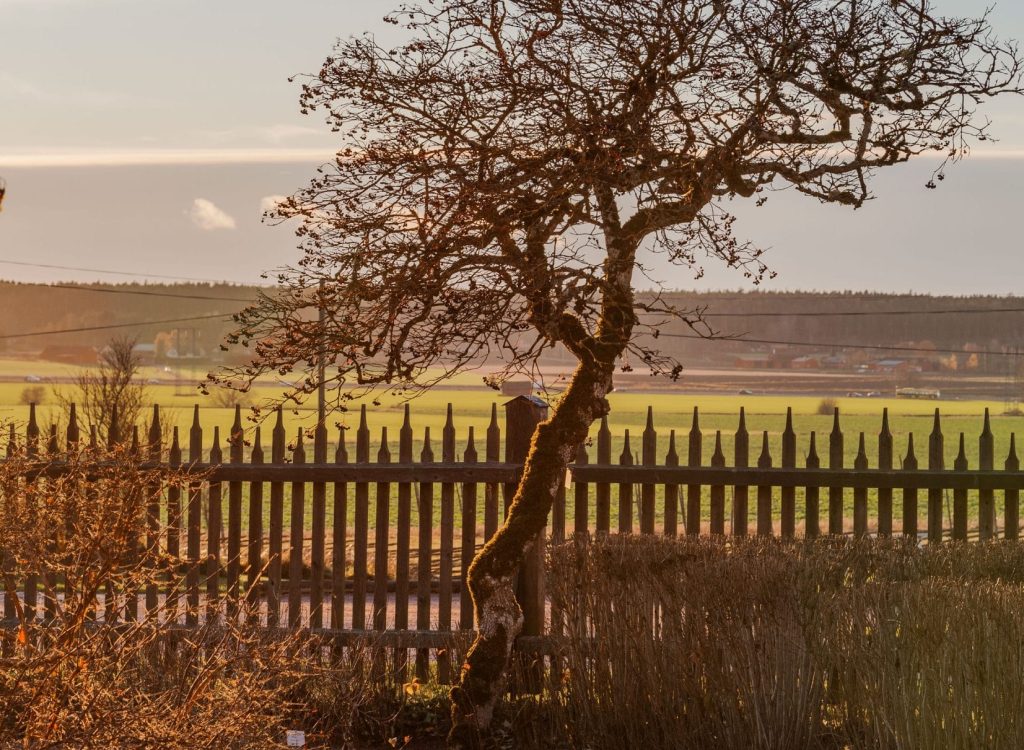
[
  {"x": 161, "y": 157},
  {"x": 208, "y": 217},
  {"x": 270, "y": 202}
]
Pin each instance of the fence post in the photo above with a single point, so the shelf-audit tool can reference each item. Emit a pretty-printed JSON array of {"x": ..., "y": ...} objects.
[{"x": 522, "y": 415}]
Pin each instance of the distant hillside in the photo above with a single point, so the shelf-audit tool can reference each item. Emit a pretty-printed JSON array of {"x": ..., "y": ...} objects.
[
  {"x": 30, "y": 308},
  {"x": 879, "y": 319}
]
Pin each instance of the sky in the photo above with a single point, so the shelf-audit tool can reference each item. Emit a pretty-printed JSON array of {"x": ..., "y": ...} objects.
[{"x": 145, "y": 136}]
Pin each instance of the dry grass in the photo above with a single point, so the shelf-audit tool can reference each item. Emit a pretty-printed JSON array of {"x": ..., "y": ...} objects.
[{"x": 812, "y": 645}]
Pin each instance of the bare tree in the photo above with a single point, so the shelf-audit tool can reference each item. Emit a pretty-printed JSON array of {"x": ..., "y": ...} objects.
[
  {"x": 112, "y": 395},
  {"x": 503, "y": 174}
]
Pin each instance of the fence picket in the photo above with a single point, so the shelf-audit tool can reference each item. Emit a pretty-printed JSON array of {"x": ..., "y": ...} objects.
[
  {"x": 446, "y": 549},
  {"x": 194, "y": 522},
  {"x": 581, "y": 495},
  {"x": 671, "y": 490},
  {"x": 491, "y": 489},
  {"x": 885, "y": 453},
  {"x": 254, "y": 556},
  {"x": 171, "y": 583},
  {"x": 910, "y": 493},
  {"x": 960, "y": 497},
  {"x": 718, "y": 490},
  {"x": 318, "y": 530},
  {"x": 626, "y": 490},
  {"x": 1011, "y": 498},
  {"x": 214, "y": 510},
  {"x": 603, "y": 490},
  {"x": 986, "y": 497},
  {"x": 860, "y": 494},
  {"x": 788, "y": 499},
  {"x": 764, "y": 491},
  {"x": 693, "y": 491},
  {"x": 360, "y": 552},
  {"x": 648, "y": 457},
  {"x": 424, "y": 560},
  {"x": 236, "y": 455},
  {"x": 835, "y": 461},
  {"x": 154, "y": 453},
  {"x": 339, "y": 547},
  {"x": 275, "y": 545},
  {"x": 741, "y": 459},
  {"x": 402, "y": 551},
  {"x": 381, "y": 547},
  {"x": 812, "y": 498},
  {"x": 468, "y": 547},
  {"x": 936, "y": 461},
  {"x": 296, "y": 539}
]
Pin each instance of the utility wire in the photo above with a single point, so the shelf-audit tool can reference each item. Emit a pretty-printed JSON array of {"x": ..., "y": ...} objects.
[
  {"x": 142, "y": 292},
  {"x": 138, "y": 324},
  {"x": 121, "y": 273},
  {"x": 835, "y": 345},
  {"x": 862, "y": 313}
]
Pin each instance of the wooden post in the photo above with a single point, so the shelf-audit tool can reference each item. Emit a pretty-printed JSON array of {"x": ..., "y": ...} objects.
[
  {"x": 522, "y": 415},
  {"x": 491, "y": 490}
]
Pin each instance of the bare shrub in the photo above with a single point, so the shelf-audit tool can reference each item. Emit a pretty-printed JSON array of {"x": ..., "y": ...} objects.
[
  {"x": 827, "y": 406},
  {"x": 82, "y": 671},
  {"x": 760, "y": 644},
  {"x": 112, "y": 395},
  {"x": 33, "y": 394}
]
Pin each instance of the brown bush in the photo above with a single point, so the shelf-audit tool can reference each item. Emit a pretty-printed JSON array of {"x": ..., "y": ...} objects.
[{"x": 760, "y": 644}]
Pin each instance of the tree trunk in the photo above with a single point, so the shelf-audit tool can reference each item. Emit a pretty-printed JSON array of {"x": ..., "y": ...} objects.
[{"x": 499, "y": 618}]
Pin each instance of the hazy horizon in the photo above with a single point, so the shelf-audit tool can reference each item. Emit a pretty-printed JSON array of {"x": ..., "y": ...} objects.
[{"x": 162, "y": 165}]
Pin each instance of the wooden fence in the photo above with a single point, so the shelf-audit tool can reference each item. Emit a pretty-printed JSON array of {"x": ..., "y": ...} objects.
[{"x": 356, "y": 538}]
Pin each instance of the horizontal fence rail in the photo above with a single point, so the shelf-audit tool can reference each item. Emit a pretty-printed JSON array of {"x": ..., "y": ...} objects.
[{"x": 361, "y": 536}]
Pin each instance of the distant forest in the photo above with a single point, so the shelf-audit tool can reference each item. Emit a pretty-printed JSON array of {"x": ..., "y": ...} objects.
[{"x": 879, "y": 320}]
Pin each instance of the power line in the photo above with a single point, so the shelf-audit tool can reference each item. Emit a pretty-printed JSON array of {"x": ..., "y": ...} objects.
[
  {"x": 121, "y": 273},
  {"x": 142, "y": 292},
  {"x": 855, "y": 314},
  {"x": 837, "y": 345},
  {"x": 138, "y": 324}
]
